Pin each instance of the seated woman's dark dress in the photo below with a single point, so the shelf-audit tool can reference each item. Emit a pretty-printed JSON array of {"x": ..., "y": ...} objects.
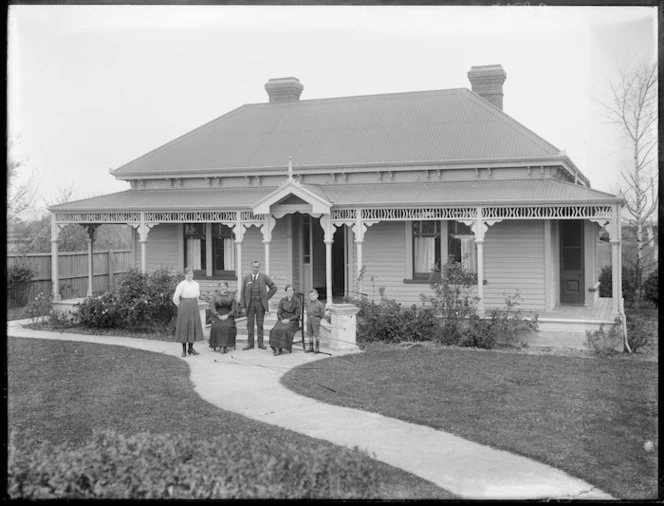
[
  {"x": 223, "y": 332},
  {"x": 281, "y": 335}
]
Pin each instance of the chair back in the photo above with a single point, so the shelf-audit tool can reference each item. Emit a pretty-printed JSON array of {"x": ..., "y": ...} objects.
[{"x": 300, "y": 297}]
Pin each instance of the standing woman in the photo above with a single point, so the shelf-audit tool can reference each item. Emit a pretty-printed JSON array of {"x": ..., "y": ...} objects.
[
  {"x": 288, "y": 322},
  {"x": 223, "y": 308},
  {"x": 188, "y": 327}
]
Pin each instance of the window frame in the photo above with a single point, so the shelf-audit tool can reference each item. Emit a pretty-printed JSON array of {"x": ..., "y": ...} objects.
[
  {"x": 437, "y": 235},
  {"x": 202, "y": 272},
  {"x": 454, "y": 234},
  {"x": 220, "y": 238}
]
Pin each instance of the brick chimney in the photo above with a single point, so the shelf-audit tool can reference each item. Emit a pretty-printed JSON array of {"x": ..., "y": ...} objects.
[
  {"x": 487, "y": 81},
  {"x": 284, "y": 89}
]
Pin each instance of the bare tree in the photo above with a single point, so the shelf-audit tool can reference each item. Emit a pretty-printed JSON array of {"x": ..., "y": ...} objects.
[
  {"x": 632, "y": 106},
  {"x": 72, "y": 237},
  {"x": 20, "y": 195}
]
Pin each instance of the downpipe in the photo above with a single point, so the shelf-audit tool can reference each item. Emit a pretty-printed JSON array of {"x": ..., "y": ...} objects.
[{"x": 623, "y": 320}]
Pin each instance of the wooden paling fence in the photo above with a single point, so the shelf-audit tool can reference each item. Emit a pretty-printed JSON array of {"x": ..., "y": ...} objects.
[{"x": 108, "y": 267}]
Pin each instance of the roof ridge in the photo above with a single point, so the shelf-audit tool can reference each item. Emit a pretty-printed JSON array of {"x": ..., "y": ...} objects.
[
  {"x": 357, "y": 97},
  {"x": 510, "y": 121}
]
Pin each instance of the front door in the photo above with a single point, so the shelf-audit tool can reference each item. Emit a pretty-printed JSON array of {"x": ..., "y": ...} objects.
[
  {"x": 571, "y": 262},
  {"x": 339, "y": 262}
]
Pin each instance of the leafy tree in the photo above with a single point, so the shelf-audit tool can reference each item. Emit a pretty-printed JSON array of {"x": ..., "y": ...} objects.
[{"x": 633, "y": 108}]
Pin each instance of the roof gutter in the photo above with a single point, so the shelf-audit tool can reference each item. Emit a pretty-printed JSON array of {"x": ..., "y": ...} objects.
[
  {"x": 561, "y": 159},
  {"x": 354, "y": 205}
]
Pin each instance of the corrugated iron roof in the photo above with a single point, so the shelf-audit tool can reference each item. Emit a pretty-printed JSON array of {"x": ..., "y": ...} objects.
[
  {"x": 172, "y": 199},
  {"x": 498, "y": 192},
  {"x": 414, "y": 127},
  {"x": 516, "y": 191}
]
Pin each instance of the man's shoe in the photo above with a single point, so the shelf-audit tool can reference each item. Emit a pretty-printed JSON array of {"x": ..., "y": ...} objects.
[
  {"x": 224, "y": 350},
  {"x": 248, "y": 347},
  {"x": 262, "y": 347},
  {"x": 193, "y": 352}
]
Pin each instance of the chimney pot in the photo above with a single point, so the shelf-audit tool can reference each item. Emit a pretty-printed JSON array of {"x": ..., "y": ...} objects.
[
  {"x": 487, "y": 81},
  {"x": 284, "y": 89}
]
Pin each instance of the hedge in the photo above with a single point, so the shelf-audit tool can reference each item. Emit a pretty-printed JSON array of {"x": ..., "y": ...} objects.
[{"x": 147, "y": 466}]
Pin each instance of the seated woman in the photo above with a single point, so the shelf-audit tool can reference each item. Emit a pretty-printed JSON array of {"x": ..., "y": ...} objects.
[
  {"x": 223, "y": 308},
  {"x": 288, "y": 322}
]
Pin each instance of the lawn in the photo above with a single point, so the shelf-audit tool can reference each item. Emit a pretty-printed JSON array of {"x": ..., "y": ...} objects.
[
  {"x": 590, "y": 417},
  {"x": 61, "y": 391}
]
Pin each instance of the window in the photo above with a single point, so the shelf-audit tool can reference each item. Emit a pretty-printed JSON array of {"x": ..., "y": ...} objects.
[
  {"x": 461, "y": 245},
  {"x": 194, "y": 247},
  {"x": 426, "y": 248},
  {"x": 223, "y": 250}
]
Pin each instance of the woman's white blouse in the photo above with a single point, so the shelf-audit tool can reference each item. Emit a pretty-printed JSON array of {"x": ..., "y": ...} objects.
[{"x": 186, "y": 290}]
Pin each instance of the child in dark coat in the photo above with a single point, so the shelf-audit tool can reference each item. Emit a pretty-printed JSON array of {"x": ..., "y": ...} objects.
[{"x": 315, "y": 312}]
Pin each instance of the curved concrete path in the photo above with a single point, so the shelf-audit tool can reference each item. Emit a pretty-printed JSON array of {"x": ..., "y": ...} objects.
[{"x": 251, "y": 388}]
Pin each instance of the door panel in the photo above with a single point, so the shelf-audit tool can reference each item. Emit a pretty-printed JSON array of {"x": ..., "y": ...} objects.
[{"x": 572, "y": 289}]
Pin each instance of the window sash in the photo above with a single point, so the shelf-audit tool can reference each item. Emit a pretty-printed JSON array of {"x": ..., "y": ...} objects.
[
  {"x": 424, "y": 255},
  {"x": 426, "y": 248},
  {"x": 223, "y": 252},
  {"x": 194, "y": 247}
]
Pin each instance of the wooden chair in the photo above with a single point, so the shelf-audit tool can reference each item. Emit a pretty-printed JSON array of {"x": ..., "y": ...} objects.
[{"x": 300, "y": 297}]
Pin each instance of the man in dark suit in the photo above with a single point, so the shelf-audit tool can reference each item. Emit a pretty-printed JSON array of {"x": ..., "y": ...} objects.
[{"x": 254, "y": 298}]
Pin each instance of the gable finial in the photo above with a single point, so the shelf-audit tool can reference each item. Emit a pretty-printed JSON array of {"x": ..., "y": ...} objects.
[{"x": 290, "y": 169}]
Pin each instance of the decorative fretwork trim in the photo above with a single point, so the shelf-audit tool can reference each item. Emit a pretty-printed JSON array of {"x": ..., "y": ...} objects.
[
  {"x": 417, "y": 214},
  {"x": 161, "y": 217},
  {"x": 348, "y": 216},
  {"x": 548, "y": 212},
  {"x": 203, "y": 217},
  {"x": 114, "y": 217},
  {"x": 191, "y": 217},
  {"x": 593, "y": 212}
]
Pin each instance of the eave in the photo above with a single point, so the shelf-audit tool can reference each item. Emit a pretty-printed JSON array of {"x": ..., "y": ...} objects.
[{"x": 411, "y": 165}]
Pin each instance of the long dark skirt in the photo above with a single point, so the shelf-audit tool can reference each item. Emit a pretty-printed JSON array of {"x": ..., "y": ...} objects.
[
  {"x": 281, "y": 335},
  {"x": 188, "y": 327},
  {"x": 223, "y": 333}
]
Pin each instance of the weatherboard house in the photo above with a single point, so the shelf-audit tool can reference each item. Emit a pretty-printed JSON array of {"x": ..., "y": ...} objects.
[{"x": 350, "y": 194}]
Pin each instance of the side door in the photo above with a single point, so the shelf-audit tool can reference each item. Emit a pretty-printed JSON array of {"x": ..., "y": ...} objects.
[{"x": 572, "y": 290}]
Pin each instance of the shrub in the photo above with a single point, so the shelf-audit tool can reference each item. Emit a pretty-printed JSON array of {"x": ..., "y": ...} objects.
[
  {"x": 628, "y": 283},
  {"x": 145, "y": 466},
  {"x": 641, "y": 332},
  {"x": 62, "y": 320},
  {"x": 651, "y": 288},
  {"x": 509, "y": 323},
  {"x": 39, "y": 308},
  {"x": 479, "y": 333},
  {"x": 604, "y": 342},
  {"x": 99, "y": 311},
  {"x": 19, "y": 278},
  {"x": 141, "y": 301},
  {"x": 388, "y": 322},
  {"x": 504, "y": 326},
  {"x": 145, "y": 301},
  {"x": 452, "y": 301}
]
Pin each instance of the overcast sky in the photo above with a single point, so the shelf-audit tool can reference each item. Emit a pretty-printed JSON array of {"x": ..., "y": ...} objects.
[{"x": 93, "y": 87}]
